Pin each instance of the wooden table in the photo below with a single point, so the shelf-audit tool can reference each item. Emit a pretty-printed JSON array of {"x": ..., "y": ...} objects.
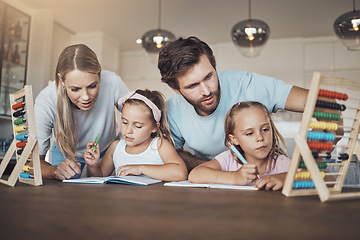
[{"x": 59, "y": 210}]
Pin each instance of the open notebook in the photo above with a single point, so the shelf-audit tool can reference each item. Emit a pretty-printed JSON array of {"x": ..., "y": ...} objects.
[
  {"x": 133, "y": 180},
  {"x": 212, "y": 185}
]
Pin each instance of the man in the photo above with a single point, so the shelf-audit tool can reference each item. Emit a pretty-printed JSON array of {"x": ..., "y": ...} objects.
[{"x": 196, "y": 115}]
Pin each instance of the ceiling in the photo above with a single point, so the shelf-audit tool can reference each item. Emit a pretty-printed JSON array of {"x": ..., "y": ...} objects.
[{"x": 210, "y": 20}]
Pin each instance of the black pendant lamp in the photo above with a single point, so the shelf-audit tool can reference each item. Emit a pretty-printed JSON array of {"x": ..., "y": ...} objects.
[
  {"x": 250, "y": 35},
  {"x": 347, "y": 29},
  {"x": 153, "y": 40}
]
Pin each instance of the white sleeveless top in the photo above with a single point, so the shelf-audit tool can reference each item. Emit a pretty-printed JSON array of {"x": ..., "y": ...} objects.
[{"x": 150, "y": 156}]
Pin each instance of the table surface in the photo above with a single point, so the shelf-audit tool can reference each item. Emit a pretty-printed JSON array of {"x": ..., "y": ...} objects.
[{"x": 59, "y": 210}]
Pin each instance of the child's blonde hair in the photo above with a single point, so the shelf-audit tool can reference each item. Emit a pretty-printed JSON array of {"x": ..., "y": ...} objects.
[
  {"x": 230, "y": 127},
  {"x": 158, "y": 99}
]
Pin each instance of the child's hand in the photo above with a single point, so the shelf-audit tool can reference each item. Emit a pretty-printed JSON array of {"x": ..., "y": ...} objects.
[
  {"x": 92, "y": 158},
  {"x": 129, "y": 170},
  {"x": 246, "y": 174},
  {"x": 274, "y": 182}
]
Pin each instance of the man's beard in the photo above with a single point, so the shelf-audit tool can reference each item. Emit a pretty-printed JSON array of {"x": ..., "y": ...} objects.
[{"x": 203, "y": 109}]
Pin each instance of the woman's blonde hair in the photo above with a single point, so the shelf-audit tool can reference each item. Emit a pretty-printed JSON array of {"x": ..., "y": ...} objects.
[
  {"x": 230, "y": 127},
  {"x": 74, "y": 57},
  {"x": 158, "y": 99}
]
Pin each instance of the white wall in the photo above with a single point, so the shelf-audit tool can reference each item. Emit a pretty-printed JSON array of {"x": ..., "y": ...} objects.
[
  {"x": 105, "y": 47},
  {"x": 60, "y": 40}
]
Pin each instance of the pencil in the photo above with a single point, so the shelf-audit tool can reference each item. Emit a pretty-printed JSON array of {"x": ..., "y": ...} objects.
[
  {"x": 96, "y": 141},
  {"x": 237, "y": 153}
]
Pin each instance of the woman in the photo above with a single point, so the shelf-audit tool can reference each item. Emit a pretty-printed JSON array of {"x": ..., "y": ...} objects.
[{"x": 76, "y": 107}]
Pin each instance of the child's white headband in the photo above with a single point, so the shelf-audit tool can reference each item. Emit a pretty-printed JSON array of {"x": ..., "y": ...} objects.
[{"x": 132, "y": 95}]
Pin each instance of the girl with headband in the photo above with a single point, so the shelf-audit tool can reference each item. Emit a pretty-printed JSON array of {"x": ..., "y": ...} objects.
[{"x": 146, "y": 147}]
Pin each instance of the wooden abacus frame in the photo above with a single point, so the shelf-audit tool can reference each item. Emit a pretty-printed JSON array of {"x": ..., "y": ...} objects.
[
  {"x": 326, "y": 193},
  {"x": 30, "y": 151}
]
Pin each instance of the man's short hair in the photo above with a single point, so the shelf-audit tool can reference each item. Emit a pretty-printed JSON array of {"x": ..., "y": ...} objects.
[{"x": 178, "y": 56}]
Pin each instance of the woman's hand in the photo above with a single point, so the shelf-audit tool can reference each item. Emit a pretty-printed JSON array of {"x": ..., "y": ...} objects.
[
  {"x": 92, "y": 157},
  {"x": 67, "y": 169}
]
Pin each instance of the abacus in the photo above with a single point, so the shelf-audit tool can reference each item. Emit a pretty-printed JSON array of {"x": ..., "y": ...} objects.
[
  {"x": 25, "y": 141},
  {"x": 313, "y": 178}
]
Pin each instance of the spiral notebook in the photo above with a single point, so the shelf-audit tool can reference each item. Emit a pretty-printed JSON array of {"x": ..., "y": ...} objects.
[{"x": 133, "y": 180}]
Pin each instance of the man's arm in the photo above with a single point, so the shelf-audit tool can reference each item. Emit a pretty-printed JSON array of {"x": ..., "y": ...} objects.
[
  {"x": 296, "y": 99},
  {"x": 190, "y": 160}
]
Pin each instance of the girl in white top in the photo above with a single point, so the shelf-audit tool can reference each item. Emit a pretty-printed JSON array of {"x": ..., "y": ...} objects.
[
  {"x": 146, "y": 146},
  {"x": 250, "y": 129}
]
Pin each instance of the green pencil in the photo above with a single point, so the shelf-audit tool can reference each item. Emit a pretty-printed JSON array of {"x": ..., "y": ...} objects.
[{"x": 96, "y": 141}]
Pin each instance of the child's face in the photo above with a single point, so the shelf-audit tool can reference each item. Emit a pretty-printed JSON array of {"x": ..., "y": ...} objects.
[
  {"x": 253, "y": 133},
  {"x": 136, "y": 125}
]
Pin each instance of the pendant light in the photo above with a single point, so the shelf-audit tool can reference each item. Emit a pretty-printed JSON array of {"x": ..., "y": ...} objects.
[
  {"x": 250, "y": 35},
  {"x": 152, "y": 41},
  {"x": 347, "y": 28}
]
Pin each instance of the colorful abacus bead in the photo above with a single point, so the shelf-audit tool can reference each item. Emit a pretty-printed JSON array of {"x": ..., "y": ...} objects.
[
  {"x": 26, "y": 175},
  {"x": 19, "y": 113},
  {"x": 19, "y": 121},
  {"x": 323, "y": 125},
  {"x": 321, "y": 165},
  {"x": 324, "y": 155},
  {"x": 320, "y": 145},
  {"x": 331, "y": 94},
  {"x": 21, "y": 144},
  {"x": 303, "y": 184},
  {"x": 343, "y": 156},
  {"x": 326, "y": 115},
  {"x": 330, "y": 105},
  {"x": 321, "y": 136},
  {"x": 26, "y": 168},
  {"x": 20, "y": 128},
  {"x": 21, "y": 137},
  {"x": 18, "y": 105},
  {"x": 307, "y": 175}
]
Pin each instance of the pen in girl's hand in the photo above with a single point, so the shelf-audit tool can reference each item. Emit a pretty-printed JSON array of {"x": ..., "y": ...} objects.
[
  {"x": 238, "y": 154},
  {"x": 96, "y": 141}
]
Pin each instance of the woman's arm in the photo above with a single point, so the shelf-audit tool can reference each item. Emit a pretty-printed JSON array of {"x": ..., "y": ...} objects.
[
  {"x": 47, "y": 170},
  {"x": 67, "y": 169}
]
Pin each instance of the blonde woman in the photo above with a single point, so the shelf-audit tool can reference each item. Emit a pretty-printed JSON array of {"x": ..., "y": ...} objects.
[{"x": 75, "y": 108}]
